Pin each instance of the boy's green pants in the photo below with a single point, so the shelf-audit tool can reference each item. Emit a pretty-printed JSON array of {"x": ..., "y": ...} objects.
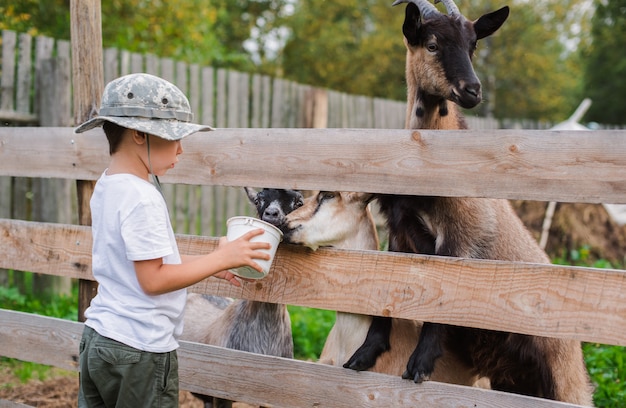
[{"x": 113, "y": 374}]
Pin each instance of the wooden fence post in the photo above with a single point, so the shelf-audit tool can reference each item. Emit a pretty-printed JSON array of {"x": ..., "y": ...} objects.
[
  {"x": 88, "y": 80},
  {"x": 49, "y": 202},
  {"x": 316, "y": 108}
]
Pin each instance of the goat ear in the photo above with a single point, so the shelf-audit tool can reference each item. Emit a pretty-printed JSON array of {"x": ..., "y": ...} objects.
[
  {"x": 364, "y": 198},
  {"x": 412, "y": 23},
  {"x": 489, "y": 23},
  {"x": 251, "y": 194}
]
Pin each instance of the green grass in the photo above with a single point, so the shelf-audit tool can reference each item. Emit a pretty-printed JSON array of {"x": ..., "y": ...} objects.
[
  {"x": 607, "y": 368},
  {"x": 64, "y": 307},
  {"x": 310, "y": 328}
]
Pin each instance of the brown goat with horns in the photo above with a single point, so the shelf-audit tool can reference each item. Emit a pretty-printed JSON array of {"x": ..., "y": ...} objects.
[{"x": 439, "y": 76}]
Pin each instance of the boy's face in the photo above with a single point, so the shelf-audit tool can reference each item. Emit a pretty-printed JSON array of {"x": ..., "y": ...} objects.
[{"x": 163, "y": 154}]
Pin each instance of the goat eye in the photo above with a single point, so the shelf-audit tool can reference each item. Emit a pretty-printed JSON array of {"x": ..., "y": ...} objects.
[
  {"x": 328, "y": 196},
  {"x": 432, "y": 47},
  {"x": 299, "y": 204}
]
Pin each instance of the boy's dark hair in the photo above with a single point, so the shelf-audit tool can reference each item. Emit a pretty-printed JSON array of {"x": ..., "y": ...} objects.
[{"x": 114, "y": 133}]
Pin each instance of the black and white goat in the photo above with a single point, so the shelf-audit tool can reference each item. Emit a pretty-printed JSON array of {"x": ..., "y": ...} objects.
[
  {"x": 246, "y": 325},
  {"x": 439, "y": 76}
]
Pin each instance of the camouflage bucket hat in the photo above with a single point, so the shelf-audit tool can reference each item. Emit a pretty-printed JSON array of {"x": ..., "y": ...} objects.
[{"x": 146, "y": 103}]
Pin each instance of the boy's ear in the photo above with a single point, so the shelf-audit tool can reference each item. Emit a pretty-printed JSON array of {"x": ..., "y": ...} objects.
[{"x": 139, "y": 137}]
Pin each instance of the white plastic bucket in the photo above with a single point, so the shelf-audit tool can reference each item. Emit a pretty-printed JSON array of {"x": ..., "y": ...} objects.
[{"x": 238, "y": 226}]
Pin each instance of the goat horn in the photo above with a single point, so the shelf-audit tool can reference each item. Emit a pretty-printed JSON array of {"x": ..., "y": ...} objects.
[
  {"x": 453, "y": 10},
  {"x": 424, "y": 6}
]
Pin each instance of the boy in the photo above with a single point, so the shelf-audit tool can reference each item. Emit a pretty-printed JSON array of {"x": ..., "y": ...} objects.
[{"x": 128, "y": 349}]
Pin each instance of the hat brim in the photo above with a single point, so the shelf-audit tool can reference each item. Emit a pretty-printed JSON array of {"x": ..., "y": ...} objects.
[{"x": 168, "y": 129}]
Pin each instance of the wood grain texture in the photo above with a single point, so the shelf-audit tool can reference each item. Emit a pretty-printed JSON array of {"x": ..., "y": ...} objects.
[
  {"x": 258, "y": 379},
  {"x": 567, "y": 166},
  {"x": 546, "y": 300}
]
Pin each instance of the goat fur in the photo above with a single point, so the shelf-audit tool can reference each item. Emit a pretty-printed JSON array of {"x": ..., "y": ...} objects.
[
  {"x": 439, "y": 75},
  {"x": 246, "y": 325},
  {"x": 344, "y": 220}
]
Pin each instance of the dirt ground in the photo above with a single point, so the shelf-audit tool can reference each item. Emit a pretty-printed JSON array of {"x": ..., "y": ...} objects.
[
  {"x": 59, "y": 391},
  {"x": 573, "y": 226}
]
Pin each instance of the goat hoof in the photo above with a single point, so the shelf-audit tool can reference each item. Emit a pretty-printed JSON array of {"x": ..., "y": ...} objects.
[
  {"x": 360, "y": 362},
  {"x": 418, "y": 378}
]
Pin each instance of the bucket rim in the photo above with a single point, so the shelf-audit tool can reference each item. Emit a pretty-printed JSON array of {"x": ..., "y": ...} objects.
[{"x": 257, "y": 220}]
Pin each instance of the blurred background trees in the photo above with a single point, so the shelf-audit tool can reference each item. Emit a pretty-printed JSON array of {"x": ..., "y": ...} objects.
[
  {"x": 547, "y": 57},
  {"x": 605, "y": 63}
]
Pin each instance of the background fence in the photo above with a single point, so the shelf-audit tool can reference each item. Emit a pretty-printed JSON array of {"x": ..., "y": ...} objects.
[{"x": 35, "y": 89}]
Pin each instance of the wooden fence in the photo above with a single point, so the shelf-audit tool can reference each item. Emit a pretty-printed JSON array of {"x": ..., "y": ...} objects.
[
  {"x": 35, "y": 90},
  {"x": 547, "y": 300}
]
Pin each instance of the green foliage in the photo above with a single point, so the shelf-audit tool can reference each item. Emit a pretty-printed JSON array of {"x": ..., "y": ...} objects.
[
  {"x": 607, "y": 368},
  {"x": 194, "y": 31},
  {"x": 35, "y": 17},
  {"x": 347, "y": 45},
  {"x": 63, "y": 307},
  {"x": 310, "y": 328},
  {"x": 583, "y": 257},
  {"x": 25, "y": 370},
  {"x": 605, "y": 68},
  {"x": 530, "y": 68},
  {"x": 528, "y": 63}
]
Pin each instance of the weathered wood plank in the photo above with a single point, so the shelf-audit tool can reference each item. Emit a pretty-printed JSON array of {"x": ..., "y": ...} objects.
[
  {"x": 87, "y": 60},
  {"x": 136, "y": 62},
  {"x": 221, "y": 99},
  {"x": 208, "y": 112},
  {"x": 279, "y": 103},
  {"x": 9, "y": 404},
  {"x": 280, "y": 382},
  {"x": 24, "y": 74},
  {"x": 275, "y": 381},
  {"x": 567, "y": 166},
  {"x": 7, "y": 81},
  {"x": 43, "y": 340},
  {"x": 194, "y": 90},
  {"x": 547, "y": 300},
  {"x": 18, "y": 117}
]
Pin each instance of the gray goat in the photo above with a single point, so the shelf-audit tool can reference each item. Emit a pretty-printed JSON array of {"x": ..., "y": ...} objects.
[{"x": 246, "y": 325}]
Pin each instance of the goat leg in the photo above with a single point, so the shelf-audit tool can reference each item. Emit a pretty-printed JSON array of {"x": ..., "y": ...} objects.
[
  {"x": 376, "y": 343},
  {"x": 429, "y": 348}
]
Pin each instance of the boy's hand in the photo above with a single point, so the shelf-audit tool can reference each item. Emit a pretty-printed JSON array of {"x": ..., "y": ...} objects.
[
  {"x": 230, "y": 277},
  {"x": 243, "y": 252}
]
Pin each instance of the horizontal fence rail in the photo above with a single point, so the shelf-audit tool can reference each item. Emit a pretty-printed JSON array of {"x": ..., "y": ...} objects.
[
  {"x": 276, "y": 382},
  {"x": 566, "y": 166},
  {"x": 547, "y": 300}
]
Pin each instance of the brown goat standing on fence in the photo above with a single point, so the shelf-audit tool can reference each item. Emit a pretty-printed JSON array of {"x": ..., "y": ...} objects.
[{"x": 439, "y": 76}]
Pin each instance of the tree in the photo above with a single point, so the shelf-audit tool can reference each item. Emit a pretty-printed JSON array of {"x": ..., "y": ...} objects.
[
  {"x": 526, "y": 68},
  {"x": 50, "y": 17},
  {"x": 194, "y": 31},
  {"x": 347, "y": 45},
  {"x": 605, "y": 68}
]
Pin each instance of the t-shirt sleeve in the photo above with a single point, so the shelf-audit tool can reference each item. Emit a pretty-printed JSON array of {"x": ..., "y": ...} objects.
[{"x": 145, "y": 232}]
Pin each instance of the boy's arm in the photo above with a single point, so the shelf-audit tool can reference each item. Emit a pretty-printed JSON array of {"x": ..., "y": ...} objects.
[{"x": 157, "y": 278}]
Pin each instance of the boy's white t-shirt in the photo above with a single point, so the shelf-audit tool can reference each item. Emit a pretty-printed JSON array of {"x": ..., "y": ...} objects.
[{"x": 130, "y": 222}]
